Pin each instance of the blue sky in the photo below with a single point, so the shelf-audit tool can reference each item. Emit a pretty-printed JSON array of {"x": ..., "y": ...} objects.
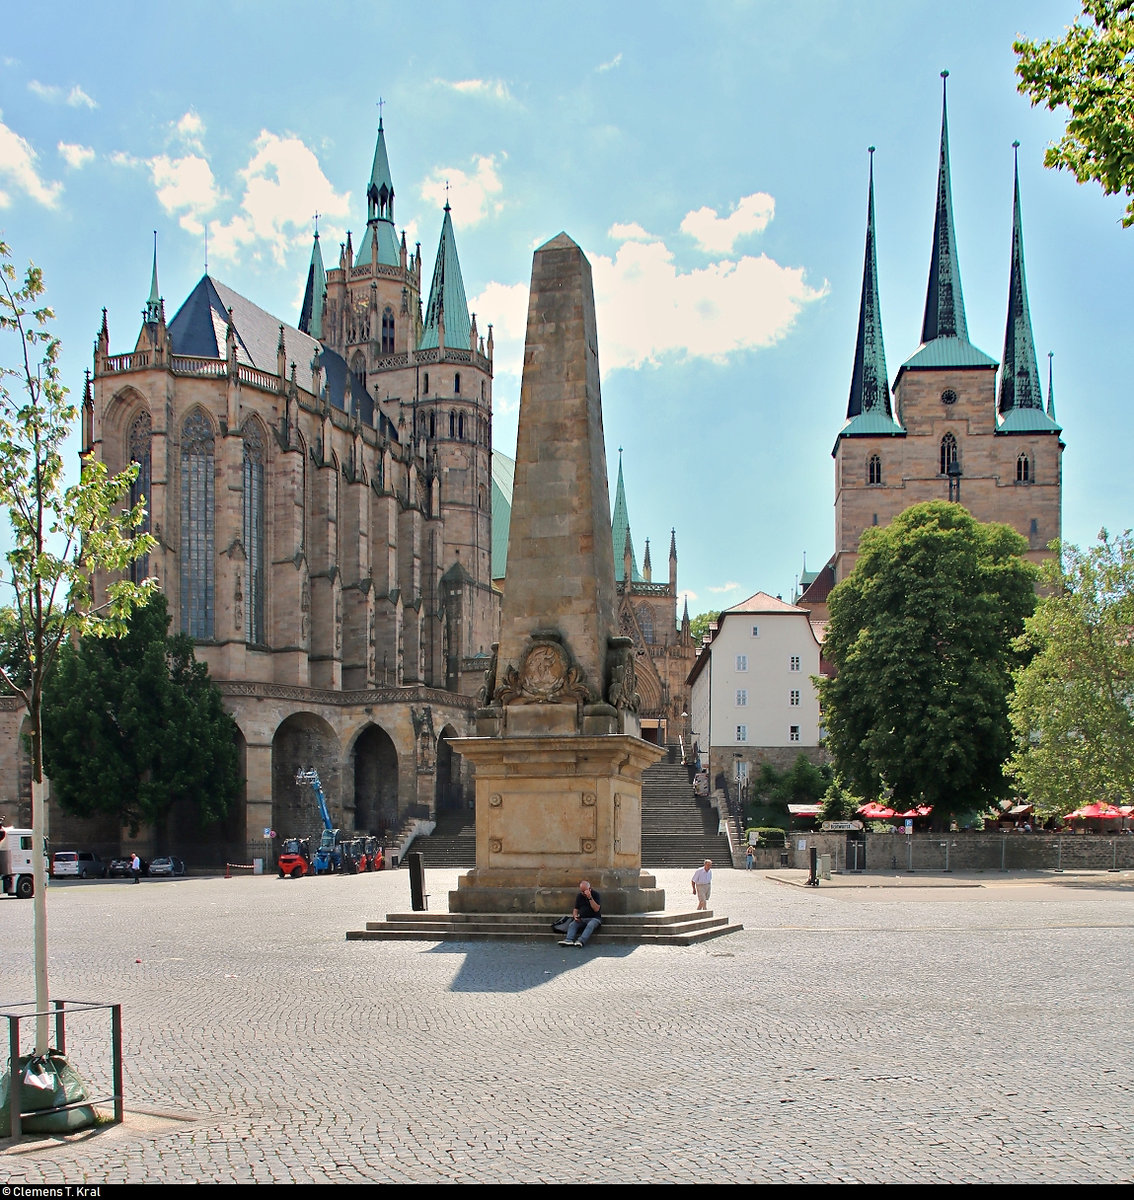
[{"x": 710, "y": 159}]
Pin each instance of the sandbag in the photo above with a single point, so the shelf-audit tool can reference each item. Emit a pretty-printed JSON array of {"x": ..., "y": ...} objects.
[{"x": 50, "y": 1081}]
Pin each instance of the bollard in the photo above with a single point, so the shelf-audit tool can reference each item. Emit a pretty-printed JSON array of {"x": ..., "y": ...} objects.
[{"x": 813, "y": 878}]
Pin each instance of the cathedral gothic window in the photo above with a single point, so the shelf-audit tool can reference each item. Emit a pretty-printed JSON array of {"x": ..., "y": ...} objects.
[
  {"x": 198, "y": 571},
  {"x": 874, "y": 469},
  {"x": 388, "y": 331},
  {"x": 253, "y": 506},
  {"x": 140, "y": 440},
  {"x": 948, "y": 452},
  {"x": 457, "y": 384},
  {"x": 1023, "y": 469}
]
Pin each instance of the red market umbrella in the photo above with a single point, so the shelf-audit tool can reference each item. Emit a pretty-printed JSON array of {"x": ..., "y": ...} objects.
[
  {"x": 875, "y": 811},
  {"x": 922, "y": 810},
  {"x": 1099, "y": 810}
]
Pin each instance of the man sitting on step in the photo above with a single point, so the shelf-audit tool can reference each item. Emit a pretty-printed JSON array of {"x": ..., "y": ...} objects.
[{"x": 586, "y": 916}]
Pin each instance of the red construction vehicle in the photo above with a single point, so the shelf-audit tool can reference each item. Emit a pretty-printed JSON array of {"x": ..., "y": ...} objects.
[{"x": 294, "y": 859}]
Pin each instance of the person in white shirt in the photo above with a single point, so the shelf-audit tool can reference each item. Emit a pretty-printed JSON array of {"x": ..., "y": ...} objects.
[{"x": 703, "y": 883}]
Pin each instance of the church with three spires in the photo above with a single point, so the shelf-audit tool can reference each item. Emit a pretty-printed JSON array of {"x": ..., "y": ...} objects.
[{"x": 956, "y": 424}]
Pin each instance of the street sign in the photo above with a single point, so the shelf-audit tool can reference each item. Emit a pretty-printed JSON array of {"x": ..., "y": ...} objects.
[
  {"x": 840, "y": 826},
  {"x": 909, "y": 826}
]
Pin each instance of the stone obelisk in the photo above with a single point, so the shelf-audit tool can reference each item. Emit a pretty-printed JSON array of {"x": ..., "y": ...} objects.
[{"x": 558, "y": 755}]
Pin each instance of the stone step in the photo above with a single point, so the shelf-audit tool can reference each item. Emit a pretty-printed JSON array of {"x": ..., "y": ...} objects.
[{"x": 673, "y": 929}]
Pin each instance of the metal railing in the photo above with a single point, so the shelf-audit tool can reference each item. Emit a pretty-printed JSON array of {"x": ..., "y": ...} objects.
[{"x": 61, "y": 1010}]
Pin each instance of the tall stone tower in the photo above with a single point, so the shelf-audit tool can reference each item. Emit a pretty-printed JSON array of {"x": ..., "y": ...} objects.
[{"x": 951, "y": 434}]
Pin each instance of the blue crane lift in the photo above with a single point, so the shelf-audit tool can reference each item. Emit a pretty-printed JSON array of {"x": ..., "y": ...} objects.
[{"x": 328, "y": 858}]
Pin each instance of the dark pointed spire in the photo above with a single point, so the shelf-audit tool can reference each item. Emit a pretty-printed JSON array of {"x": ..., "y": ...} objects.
[
  {"x": 311, "y": 313},
  {"x": 1050, "y": 389},
  {"x": 447, "y": 301},
  {"x": 870, "y": 388},
  {"x": 944, "y": 303},
  {"x": 152, "y": 311},
  {"x": 1019, "y": 375},
  {"x": 380, "y": 190}
]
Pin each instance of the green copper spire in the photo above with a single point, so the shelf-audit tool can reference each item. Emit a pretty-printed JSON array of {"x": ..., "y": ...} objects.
[
  {"x": 152, "y": 311},
  {"x": 870, "y": 388},
  {"x": 620, "y": 532},
  {"x": 1050, "y": 389},
  {"x": 379, "y": 211},
  {"x": 447, "y": 296},
  {"x": 311, "y": 314},
  {"x": 944, "y": 304},
  {"x": 1019, "y": 375}
]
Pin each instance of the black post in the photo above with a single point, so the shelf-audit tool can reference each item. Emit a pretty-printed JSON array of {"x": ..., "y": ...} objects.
[
  {"x": 417, "y": 880},
  {"x": 813, "y": 878}
]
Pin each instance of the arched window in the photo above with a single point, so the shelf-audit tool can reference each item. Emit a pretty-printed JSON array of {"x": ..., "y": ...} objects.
[
  {"x": 457, "y": 384},
  {"x": 1023, "y": 469},
  {"x": 461, "y": 426},
  {"x": 432, "y": 424},
  {"x": 874, "y": 469},
  {"x": 452, "y": 424},
  {"x": 198, "y": 571},
  {"x": 388, "y": 331},
  {"x": 646, "y": 623},
  {"x": 141, "y": 433},
  {"x": 425, "y": 384},
  {"x": 358, "y": 368},
  {"x": 253, "y": 534},
  {"x": 948, "y": 452}
]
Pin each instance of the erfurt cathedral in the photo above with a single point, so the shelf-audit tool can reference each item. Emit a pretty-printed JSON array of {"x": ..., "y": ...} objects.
[{"x": 321, "y": 498}]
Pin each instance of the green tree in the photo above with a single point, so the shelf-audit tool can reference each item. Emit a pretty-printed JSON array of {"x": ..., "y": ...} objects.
[
  {"x": 60, "y": 535},
  {"x": 135, "y": 726},
  {"x": 699, "y": 625},
  {"x": 1090, "y": 71},
  {"x": 921, "y": 639},
  {"x": 1073, "y": 705}
]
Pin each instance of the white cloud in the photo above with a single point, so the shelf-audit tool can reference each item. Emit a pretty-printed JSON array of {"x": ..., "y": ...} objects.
[
  {"x": 494, "y": 89},
  {"x": 18, "y": 169},
  {"x": 190, "y": 129},
  {"x": 284, "y": 188},
  {"x": 718, "y": 235},
  {"x": 720, "y": 589},
  {"x": 471, "y": 196},
  {"x": 185, "y": 188},
  {"x": 630, "y": 232},
  {"x": 649, "y": 312},
  {"x": 76, "y": 97},
  {"x": 610, "y": 64},
  {"x": 75, "y": 156}
]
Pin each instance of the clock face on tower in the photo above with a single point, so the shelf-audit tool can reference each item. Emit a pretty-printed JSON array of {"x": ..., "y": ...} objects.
[{"x": 948, "y": 396}]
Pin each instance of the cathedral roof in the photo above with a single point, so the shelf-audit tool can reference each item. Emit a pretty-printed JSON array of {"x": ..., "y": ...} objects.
[
  {"x": 503, "y": 476},
  {"x": 200, "y": 330},
  {"x": 1020, "y": 402},
  {"x": 944, "y": 331},
  {"x": 380, "y": 210},
  {"x": 447, "y": 295}
]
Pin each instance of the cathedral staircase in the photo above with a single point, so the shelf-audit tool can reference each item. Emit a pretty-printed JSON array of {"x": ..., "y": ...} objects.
[
  {"x": 452, "y": 842},
  {"x": 678, "y": 829}
]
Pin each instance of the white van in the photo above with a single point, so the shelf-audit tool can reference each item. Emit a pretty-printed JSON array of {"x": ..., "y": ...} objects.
[{"x": 16, "y": 863}]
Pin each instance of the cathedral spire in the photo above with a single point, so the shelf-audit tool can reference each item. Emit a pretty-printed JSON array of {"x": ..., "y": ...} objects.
[
  {"x": 944, "y": 304},
  {"x": 1019, "y": 375},
  {"x": 152, "y": 312},
  {"x": 620, "y": 533},
  {"x": 448, "y": 309},
  {"x": 380, "y": 190},
  {"x": 1050, "y": 389},
  {"x": 870, "y": 389},
  {"x": 311, "y": 314}
]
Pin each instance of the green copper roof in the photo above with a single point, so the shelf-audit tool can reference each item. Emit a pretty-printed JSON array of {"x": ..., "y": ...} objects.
[
  {"x": 944, "y": 319},
  {"x": 311, "y": 314},
  {"x": 1050, "y": 390},
  {"x": 1019, "y": 375},
  {"x": 380, "y": 210},
  {"x": 1027, "y": 420},
  {"x": 447, "y": 295},
  {"x": 620, "y": 532}
]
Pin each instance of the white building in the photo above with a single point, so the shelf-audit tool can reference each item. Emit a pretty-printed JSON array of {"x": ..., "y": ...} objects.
[{"x": 752, "y": 696}]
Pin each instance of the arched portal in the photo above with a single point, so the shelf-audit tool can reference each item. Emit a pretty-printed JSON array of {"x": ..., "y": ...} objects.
[
  {"x": 450, "y": 786},
  {"x": 375, "y": 782},
  {"x": 305, "y": 740}
]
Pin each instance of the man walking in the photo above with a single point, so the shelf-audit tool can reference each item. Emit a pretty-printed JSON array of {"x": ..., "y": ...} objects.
[
  {"x": 135, "y": 866},
  {"x": 703, "y": 884}
]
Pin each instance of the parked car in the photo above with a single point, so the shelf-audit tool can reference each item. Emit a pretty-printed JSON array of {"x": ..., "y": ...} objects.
[
  {"x": 77, "y": 864},
  {"x": 166, "y": 865},
  {"x": 120, "y": 868}
]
